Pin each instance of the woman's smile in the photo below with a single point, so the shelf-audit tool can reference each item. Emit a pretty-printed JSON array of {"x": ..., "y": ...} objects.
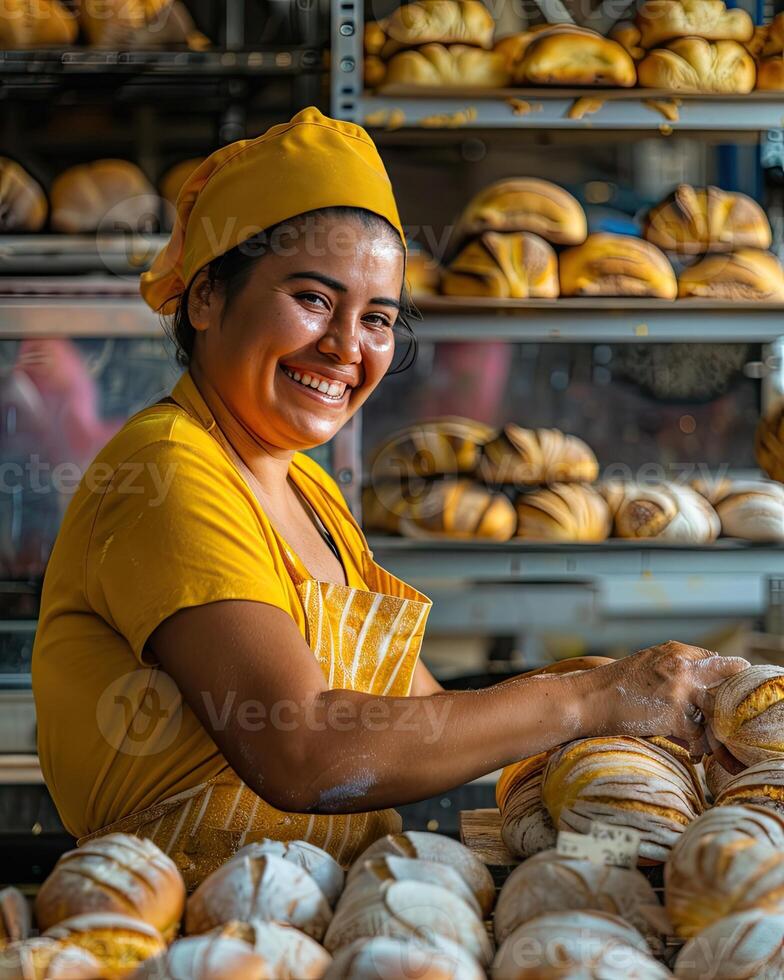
[{"x": 323, "y": 387}]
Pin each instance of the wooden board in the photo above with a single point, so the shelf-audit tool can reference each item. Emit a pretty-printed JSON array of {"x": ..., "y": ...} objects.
[{"x": 480, "y": 831}]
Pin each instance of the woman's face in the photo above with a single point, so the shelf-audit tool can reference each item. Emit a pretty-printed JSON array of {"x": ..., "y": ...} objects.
[{"x": 309, "y": 336}]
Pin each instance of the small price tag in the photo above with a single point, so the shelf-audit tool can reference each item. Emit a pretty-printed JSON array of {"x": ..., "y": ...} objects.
[{"x": 605, "y": 844}]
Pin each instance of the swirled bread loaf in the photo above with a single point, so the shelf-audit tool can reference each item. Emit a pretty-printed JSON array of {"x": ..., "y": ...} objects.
[
  {"x": 748, "y": 944},
  {"x": 392, "y": 867},
  {"x": 108, "y": 194},
  {"x": 438, "y": 447},
  {"x": 412, "y": 25},
  {"x": 749, "y": 509},
  {"x": 528, "y": 457},
  {"x": 563, "y": 512},
  {"x": 526, "y": 827},
  {"x": 209, "y": 958},
  {"x": 575, "y": 58},
  {"x": 748, "y": 714},
  {"x": 23, "y": 204},
  {"x": 447, "y": 65},
  {"x": 759, "y": 785},
  {"x": 616, "y": 265},
  {"x": 505, "y": 265},
  {"x": 401, "y": 959},
  {"x": 458, "y": 509},
  {"x": 321, "y": 867},
  {"x": 666, "y": 511},
  {"x": 748, "y": 274},
  {"x": 284, "y": 951},
  {"x": 692, "y": 64},
  {"x": 664, "y": 20}
]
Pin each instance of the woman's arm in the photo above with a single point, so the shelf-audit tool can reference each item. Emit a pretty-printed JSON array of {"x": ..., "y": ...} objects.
[{"x": 249, "y": 676}]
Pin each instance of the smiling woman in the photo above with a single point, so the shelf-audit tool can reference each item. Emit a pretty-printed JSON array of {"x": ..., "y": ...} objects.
[{"x": 219, "y": 658}]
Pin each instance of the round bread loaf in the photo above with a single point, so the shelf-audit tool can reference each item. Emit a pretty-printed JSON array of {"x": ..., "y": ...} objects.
[
  {"x": 466, "y": 22},
  {"x": 716, "y": 776},
  {"x": 441, "y": 447},
  {"x": 48, "y": 959},
  {"x": 14, "y": 916},
  {"x": 626, "y": 782},
  {"x": 504, "y": 265},
  {"x": 442, "y": 850},
  {"x": 550, "y": 882},
  {"x": 730, "y": 860},
  {"x": 116, "y": 873},
  {"x": 747, "y": 274},
  {"x": 264, "y": 887},
  {"x": 210, "y": 958},
  {"x": 23, "y": 204},
  {"x": 514, "y": 46},
  {"x": 408, "y": 910},
  {"x": 752, "y": 510},
  {"x": 692, "y": 64},
  {"x": 748, "y": 714},
  {"x": 458, "y": 509},
  {"x": 577, "y": 946},
  {"x": 616, "y": 265},
  {"x": 285, "y": 951},
  {"x": 563, "y": 512},
  {"x": 665, "y": 511},
  {"x": 529, "y": 457},
  {"x": 136, "y": 24},
  {"x": 321, "y": 867},
  {"x": 119, "y": 942},
  {"x": 664, "y": 20},
  {"x": 769, "y": 442},
  {"x": 439, "y": 65},
  {"x": 36, "y": 24},
  {"x": 526, "y": 827},
  {"x": 391, "y": 867},
  {"x": 391, "y": 958},
  {"x": 746, "y": 945},
  {"x": 106, "y": 195},
  {"x": 576, "y": 58},
  {"x": 759, "y": 785},
  {"x": 770, "y": 74}
]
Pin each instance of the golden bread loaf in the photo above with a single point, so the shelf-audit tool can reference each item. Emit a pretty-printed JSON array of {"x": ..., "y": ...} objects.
[
  {"x": 747, "y": 274},
  {"x": 505, "y": 265},
  {"x": 529, "y": 457},
  {"x": 616, "y": 265},
  {"x": 110, "y": 195},
  {"x": 526, "y": 827},
  {"x": 48, "y": 959},
  {"x": 283, "y": 950},
  {"x": 374, "y": 38},
  {"x": 759, "y": 785},
  {"x": 576, "y": 946},
  {"x": 119, "y": 942},
  {"x": 759, "y": 39},
  {"x": 716, "y": 776},
  {"x": 115, "y": 873},
  {"x": 392, "y": 958},
  {"x": 375, "y": 71},
  {"x": 730, "y": 860},
  {"x": 628, "y": 35},
  {"x": 422, "y": 273},
  {"x": 575, "y": 58},
  {"x": 563, "y": 512},
  {"x": 460, "y": 510},
  {"x": 551, "y": 882},
  {"x": 664, "y": 20},
  {"x": 770, "y": 74},
  {"x": 23, "y": 204},
  {"x": 171, "y": 182},
  {"x": 769, "y": 442},
  {"x": 407, "y": 910},
  {"x": 440, "y": 65},
  {"x": 525, "y": 204},
  {"x": 211, "y": 958},
  {"x": 264, "y": 887},
  {"x": 36, "y": 24},
  {"x": 774, "y": 39},
  {"x": 441, "y": 850},
  {"x": 665, "y": 511},
  {"x": 14, "y": 916},
  {"x": 438, "y": 447},
  {"x": 748, "y": 944},
  {"x": 692, "y": 64},
  {"x": 514, "y": 46},
  {"x": 748, "y": 714},
  {"x": 465, "y": 22},
  {"x": 695, "y": 220},
  {"x": 626, "y": 782},
  {"x": 752, "y": 510},
  {"x": 321, "y": 867},
  {"x": 139, "y": 24},
  {"x": 393, "y": 867}
]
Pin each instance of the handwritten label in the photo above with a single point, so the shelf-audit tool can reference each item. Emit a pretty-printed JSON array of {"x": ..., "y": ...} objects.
[{"x": 604, "y": 844}]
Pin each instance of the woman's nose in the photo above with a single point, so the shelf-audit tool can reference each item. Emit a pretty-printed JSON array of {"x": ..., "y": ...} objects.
[{"x": 341, "y": 340}]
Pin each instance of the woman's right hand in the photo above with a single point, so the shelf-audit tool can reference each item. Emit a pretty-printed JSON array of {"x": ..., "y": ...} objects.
[{"x": 664, "y": 690}]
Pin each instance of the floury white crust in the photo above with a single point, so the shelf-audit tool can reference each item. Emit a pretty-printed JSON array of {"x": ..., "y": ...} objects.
[
  {"x": 396, "y": 959},
  {"x": 394, "y": 868},
  {"x": 747, "y": 945},
  {"x": 322, "y": 867},
  {"x": 748, "y": 714},
  {"x": 206, "y": 958},
  {"x": 526, "y": 826},
  {"x": 285, "y": 951},
  {"x": 760, "y": 785}
]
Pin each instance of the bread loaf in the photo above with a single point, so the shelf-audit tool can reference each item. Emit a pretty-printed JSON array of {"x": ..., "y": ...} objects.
[
  {"x": 716, "y": 777},
  {"x": 442, "y": 850},
  {"x": 769, "y": 442},
  {"x": 374, "y": 37},
  {"x": 422, "y": 272},
  {"x": 748, "y": 714},
  {"x": 576, "y": 946},
  {"x": 266, "y": 888},
  {"x": 14, "y": 916},
  {"x": 774, "y": 36},
  {"x": 375, "y": 71},
  {"x": 23, "y": 205},
  {"x": 514, "y": 46},
  {"x": 550, "y": 882},
  {"x": 525, "y": 204},
  {"x": 139, "y": 24},
  {"x": 626, "y": 782},
  {"x": 284, "y": 951},
  {"x": 759, "y": 785},
  {"x": 321, "y": 867},
  {"x": 616, "y": 265},
  {"x": 36, "y": 24},
  {"x": 694, "y": 220},
  {"x": 48, "y": 959},
  {"x": 440, "y": 447},
  {"x": 440, "y": 65},
  {"x": 508, "y": 265},
  {"x": 664, "y": 20},
  {"x": 567, "y": 59},
  {"x": 692, "y": 64},
  {"x": 116, "y": 873},
  {"x": 770, "y": 74},
  {"x": 392, "y": 867},
  {"x": 748, "y": 274},
  {"x": 120, "y": 943},
  {"x": 210, "y": 958},
  {"x": 528, "y": 457},
  {"x": 756, "y": 46},
  {"x": 563, "y": 512},
  {"x": 459, "y": 510},
  {"x": 465, "y": 22},
  {"x": 752, "y": 510},
  {"x": 730, "y": 860},
  {"x": 407, "y": 910},
  {"x": 172, "y": 181},
  {"x": 628, "y": 35},
  {"x": 110, "y": 195},
  {"x": 404, "y": 959},
  {"x": 749, "y": 944},
  {"x": 526, "y": 827},
  {"x": 665, "y": 511}
]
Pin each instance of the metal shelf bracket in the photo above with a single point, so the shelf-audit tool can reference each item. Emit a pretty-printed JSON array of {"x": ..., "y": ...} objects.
[{"x": 347, "y": 28}]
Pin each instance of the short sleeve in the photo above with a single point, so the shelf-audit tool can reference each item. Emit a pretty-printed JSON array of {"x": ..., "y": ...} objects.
[{"x": 176, "y": 528}]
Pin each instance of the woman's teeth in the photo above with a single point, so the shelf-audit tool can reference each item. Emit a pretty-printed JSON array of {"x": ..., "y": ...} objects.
[{"x": 333, "y": 389}]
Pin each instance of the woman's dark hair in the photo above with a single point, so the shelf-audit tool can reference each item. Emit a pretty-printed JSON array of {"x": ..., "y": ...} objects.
[{"x": 232, "y": 270}]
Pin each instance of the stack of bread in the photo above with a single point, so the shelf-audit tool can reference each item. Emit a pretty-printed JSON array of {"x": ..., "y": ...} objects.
[{"x": 767, "y": 48}]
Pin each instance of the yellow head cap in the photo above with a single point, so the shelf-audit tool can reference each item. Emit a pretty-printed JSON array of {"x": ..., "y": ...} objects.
[{"x": 246, "y": 187}]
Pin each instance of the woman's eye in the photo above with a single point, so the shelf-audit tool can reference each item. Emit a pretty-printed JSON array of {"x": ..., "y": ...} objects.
[
  {"x": 316, "y": 298},
  {"x": 377, "y": 320}
]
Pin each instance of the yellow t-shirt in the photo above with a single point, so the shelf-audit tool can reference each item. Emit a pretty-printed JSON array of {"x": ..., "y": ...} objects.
[{"x": 162, "y": 520}]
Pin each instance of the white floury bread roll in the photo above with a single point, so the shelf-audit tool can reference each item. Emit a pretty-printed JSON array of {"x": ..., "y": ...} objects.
[
  {"x": 321, "y": 867},
  {"x": 749, "y": 944},
  {"x": 748, "y": 714},
  {"x": 265, "y": 887},
  {"x": 285, "y": 951},
  {"x": 402, "y": 959},
  {"x": 576, "y": 946},
  {"x": 48, "y": 959},
  {"x": 665, "y": 511},
  {"x": 394, "y": 868},
  {"x": 207, "y": 958},
  {"x": 442, "y": 850},
  {"x": 752, "y": 510},
  {"x": 14, "y": 916},
  {"x": 551, "y": 882},
  {"x": 730, "y": 860},
  {"x": 526, "y": 826},
  {"x": 408, "y": 910},
  {"x": 626, "y": 782},
  {"x": 760, "y": 785}
]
